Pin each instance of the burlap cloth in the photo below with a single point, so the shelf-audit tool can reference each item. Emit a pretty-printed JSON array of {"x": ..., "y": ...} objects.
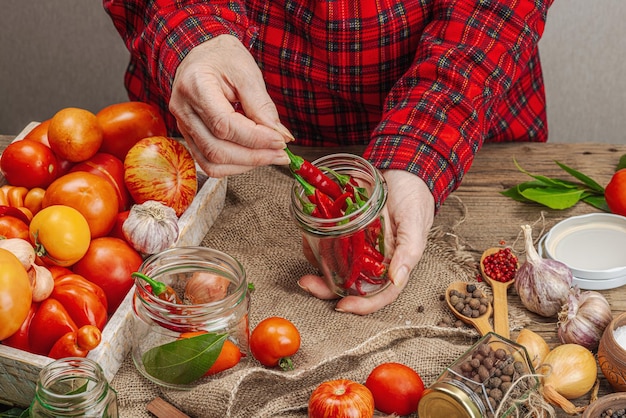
[{"x": 255, "y": 227}]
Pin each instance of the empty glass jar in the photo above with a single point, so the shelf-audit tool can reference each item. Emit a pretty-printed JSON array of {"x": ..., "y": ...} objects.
[{"x": 73, "y": 387}]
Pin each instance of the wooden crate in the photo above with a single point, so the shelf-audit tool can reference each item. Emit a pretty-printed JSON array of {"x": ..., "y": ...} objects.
[{"x": 19, "y": 370}]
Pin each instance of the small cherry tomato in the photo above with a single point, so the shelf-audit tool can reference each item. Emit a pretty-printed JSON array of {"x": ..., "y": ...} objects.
[
  {"x": 341, "y": 398},
  {"x": 615, "y": 193},
  {"x": 74, "y": 134},
  {"x": 29, "y": 164},
  {"x": 273, "y": 341},
  {"x": 397, "y": 388},
  {"x": 60, "y": 235}
]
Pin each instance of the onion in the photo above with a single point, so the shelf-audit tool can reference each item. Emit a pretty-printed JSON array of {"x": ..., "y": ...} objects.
[
  {"x": 541, "y": 283},
  {"x": 205, "y": 287},
  {"x": 584, "y": 318},
  {"x": 570, "y": 371},
  {"x": 536, "y": 347}
]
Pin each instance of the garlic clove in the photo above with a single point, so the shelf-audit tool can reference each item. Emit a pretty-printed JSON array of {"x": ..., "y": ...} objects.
[{"x": 41, "y": 282}]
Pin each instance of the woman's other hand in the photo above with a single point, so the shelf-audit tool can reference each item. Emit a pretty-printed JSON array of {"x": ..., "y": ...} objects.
[{"x": 411, "y": 210}]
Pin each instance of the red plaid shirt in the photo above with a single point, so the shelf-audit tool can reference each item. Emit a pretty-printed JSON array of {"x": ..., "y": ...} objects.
[{"x": 423, "y": 82}]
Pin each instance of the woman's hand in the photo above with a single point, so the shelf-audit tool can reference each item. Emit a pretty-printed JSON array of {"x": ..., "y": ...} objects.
[
  {"x": 411, "y": 210},
  {"x": 213, "y": 78}
]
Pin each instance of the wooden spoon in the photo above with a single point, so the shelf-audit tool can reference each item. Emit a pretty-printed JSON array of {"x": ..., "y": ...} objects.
[
  {"x": 481, "y": 323},
  {"x": 500, "y": 301}
]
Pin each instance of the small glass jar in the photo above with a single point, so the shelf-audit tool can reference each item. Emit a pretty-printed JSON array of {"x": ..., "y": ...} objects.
[
  {"x": 352, "y": 251},
  {"x": 161, "y": 349},
  {"x": 73, "y": 387},
  {"x": 494, "y": 376}
]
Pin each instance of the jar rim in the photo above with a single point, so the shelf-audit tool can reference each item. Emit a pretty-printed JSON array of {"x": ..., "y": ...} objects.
[
  {"x": 342, "y": 162},
  {"x": 197, "y": 258}
]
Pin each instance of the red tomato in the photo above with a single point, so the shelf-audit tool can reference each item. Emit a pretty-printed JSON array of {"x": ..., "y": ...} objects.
[
  {"x": 91, "y": 195},
  {"x": 117, "y": 230},
  {"x": 110, "y": 168},
  {"x": 273, "y": 341},
  {"x": 15, "y": 294},
  {"x": 60, "y": 234},
  {"x": 397, "y": 388},
  {"x": 615, "y": 193},
  {"x": 162, "y": 169},
  {"x": 109, "y": 263},
  {"x": 29, "y": 164},
  {"x": 39, "y": 133},
  {"x": 341, "y": 398},
  {"x": 74, "y": 134},
  {"x": 123, "y": 124},
  {"x": 12, "y": 227}
]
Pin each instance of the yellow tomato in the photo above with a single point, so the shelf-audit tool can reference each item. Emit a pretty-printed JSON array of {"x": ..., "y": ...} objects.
[
  {"x": 61, "y": 235},
  {"x": 15, "y": 294}
]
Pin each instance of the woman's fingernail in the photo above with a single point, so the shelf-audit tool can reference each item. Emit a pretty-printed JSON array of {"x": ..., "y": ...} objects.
[
  {"x": 282, "y": 129},
  {"x": 401, "y": 276},
  {"x": 340, "y": 310},
  {"x": 306, "y": 289}
]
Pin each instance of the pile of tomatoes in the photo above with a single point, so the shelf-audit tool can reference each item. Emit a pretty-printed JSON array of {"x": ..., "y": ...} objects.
[{"x": 70, "y": 184}]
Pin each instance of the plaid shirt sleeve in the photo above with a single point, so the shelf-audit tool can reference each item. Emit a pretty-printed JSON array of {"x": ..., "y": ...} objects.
[
  {"x": 160, "y": 33},
  {"x": 472, "y": 55},
  {"x": 473, "y": 75}
]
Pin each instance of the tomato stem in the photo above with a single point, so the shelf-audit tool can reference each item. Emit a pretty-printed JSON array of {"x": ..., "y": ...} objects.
[{"x": 286, "y": 364}]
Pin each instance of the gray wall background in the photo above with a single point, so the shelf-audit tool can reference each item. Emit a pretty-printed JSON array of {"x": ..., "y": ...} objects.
[{"x": 60, "y": 53}]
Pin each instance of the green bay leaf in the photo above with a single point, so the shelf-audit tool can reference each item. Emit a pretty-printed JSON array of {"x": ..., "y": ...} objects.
[
  {"x": 588, "y": 181},
  {"x": 553, "y": 197},
  {"x": 185, "y": 360}
]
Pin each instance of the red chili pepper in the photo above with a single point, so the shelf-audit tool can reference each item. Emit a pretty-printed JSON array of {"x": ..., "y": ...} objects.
[
  {"x": 325, "y": 205},
  {"x": 313, "y": 175},
  {"x": 373, "y": 252},
  {"x": 341, "y": 204},
  {"x": 159, "y": 289},
  {"x": 309, "y": 190},
  {"x": 357, "y": 244},
  {"x": 372, "y": 267}
]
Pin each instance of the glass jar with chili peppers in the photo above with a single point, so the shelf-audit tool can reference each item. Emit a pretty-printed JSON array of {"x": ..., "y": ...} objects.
[
  {"x": 345, "y": 224},
  {"x": 189, "y": 304},
  {"x": 73, "y": 387}
]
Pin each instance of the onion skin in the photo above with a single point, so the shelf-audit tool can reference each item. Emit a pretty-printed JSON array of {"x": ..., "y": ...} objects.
[
  {"x": 542, "y": 284},
  {"x": 570, "y": 371},
  {"x": 536, "y": 347}
]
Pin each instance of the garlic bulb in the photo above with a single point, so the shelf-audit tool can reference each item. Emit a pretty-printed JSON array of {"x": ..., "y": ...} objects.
[
  {"x": 151, "y": 227},
  {"x": 541, "y": 283},
  {"x": 20, "y": 248},
  {"x": 584, "y": 318}
]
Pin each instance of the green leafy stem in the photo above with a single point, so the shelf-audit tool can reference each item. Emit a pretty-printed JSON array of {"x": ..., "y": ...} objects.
[{"x": 560, "y": 194}]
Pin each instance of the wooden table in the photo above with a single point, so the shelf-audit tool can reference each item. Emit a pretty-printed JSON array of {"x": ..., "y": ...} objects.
[{"x": 478, "y": 198}]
